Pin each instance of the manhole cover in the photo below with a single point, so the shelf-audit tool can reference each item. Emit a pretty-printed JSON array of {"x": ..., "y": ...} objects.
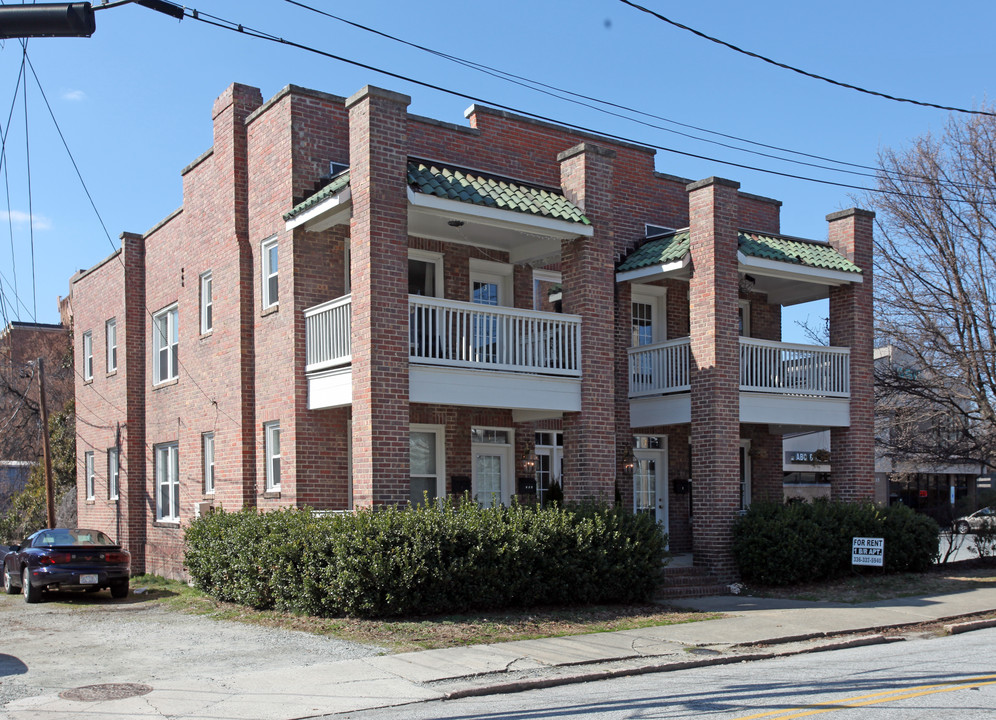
[{"x": 108, "y": 691}]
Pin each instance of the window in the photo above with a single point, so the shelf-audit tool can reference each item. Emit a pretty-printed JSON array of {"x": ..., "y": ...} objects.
[
  {"x": 425, "y": 455},
  {"x": 90, "y": 475},
  {"x": 271, "y": 287},
  {"x": 648, "y": 317},
  {"x": 112, "y": 473},
  {"x": 168, "y": 482},
  {"x": 207, "y": 303},
  {"x": 111, "y": 336},
  {"x": 207, "y": 450},
  {"x": 165, "y": 339},
  {"x": 87, "y": 356},
  {"x": 271, "y": 439},
  {"x": 425, "y": 273}
]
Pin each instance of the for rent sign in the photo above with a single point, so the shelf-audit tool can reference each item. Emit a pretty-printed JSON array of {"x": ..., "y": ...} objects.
[{"x": 868, "y": 551}]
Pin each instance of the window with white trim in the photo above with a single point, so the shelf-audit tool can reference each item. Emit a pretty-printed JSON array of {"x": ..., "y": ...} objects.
[
  {"x": 165, "y": 343},
  {"x": 270, "y": 265},
  {"x": 207, "y": 303},
  {"x": 168, "y": 482},
  {"x": 207, "y": 453},
  {"x": 649, "y": 315},
  {"x": 271, "y": 441},
  {"x": 88, "y": 355},
  {"x": 111, "y": 342},
  {"x": 91, "y": 478},
  {"x": 426, "y": 460},
  {"x": 113, "y": 467},
  {"x": 425, "y": 273}
]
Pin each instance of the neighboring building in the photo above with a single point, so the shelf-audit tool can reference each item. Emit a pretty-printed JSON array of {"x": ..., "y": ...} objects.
[
  {"x": 356, "y": 306},
  {"x": 21, "y": 344}
]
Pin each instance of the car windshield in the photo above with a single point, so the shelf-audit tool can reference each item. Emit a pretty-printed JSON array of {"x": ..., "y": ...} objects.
[{"x": 49, "y": 538}]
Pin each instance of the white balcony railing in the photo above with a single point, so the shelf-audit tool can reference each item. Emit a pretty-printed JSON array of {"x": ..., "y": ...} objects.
[
  {"x": 765, "y": 366},
  {"x": 463, "y": 334},
  {"x": 327, "y": 328},
  {"x": 458, "y": 334},
  {"x": 659, "y": 368}
]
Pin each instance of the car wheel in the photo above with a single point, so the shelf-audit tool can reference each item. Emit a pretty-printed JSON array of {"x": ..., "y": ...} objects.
[
  {"x": 962, "y": 527},
  {"x": 8, "y": 584},
  {"x": 119, "y": 590},
  {"x": 31, "y": 593}
]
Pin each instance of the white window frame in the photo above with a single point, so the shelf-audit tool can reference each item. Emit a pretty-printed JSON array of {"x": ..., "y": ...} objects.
[
  {"x": 88, "y": 355},
  {"x": 91, "y": 475},
  {"x": 541, "y": 276},
  {"x": 436, "y": 259},
  {"x": 268, "y": 273},
  {"x": 111, "y": 344},
  {"x": 113, "y": 473},
  {"x": 440, "y": 448},
  {"x": 207, "y": 457},
  {"x": 656, "y": 297},
  {"x": 496, "y": 272},
  {"x": 171, "y": 348},
  {"x": 269, "y": 430},
  {"x": 167, "y": 470},
  {"x": 506, "y": 449},
  {"x": 207, "y": 302}
]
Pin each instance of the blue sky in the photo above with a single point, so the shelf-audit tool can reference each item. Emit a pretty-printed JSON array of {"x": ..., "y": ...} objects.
[{"x": 134, "y": 100}]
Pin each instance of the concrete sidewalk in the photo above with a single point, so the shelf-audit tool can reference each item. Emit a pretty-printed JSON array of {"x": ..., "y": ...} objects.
[{"x": 752, "y": 628}]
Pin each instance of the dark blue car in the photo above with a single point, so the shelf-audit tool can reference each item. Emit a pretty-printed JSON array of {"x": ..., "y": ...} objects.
[{"x": 66, "y": 559}]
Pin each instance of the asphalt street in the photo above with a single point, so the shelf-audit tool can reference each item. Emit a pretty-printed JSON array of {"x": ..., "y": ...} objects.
[{"x": 950, "y": 677}]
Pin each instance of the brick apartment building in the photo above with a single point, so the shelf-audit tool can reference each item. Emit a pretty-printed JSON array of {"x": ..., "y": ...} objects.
[{"x": 356, "y": 306}]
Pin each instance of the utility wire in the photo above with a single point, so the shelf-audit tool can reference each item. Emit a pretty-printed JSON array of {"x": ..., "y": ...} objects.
[
  {"x": 806, "y": 73},
  {"x": 6, "y": 176},
  {"x": 560, "y": 93},
  {"x": 31, "y": 218},
  {"x": 239, "y": 28}
]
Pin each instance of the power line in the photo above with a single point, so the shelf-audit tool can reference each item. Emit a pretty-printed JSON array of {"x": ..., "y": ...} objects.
[
  {"x": 560, "y": 93},
  {"x": 239, "y": 28},
  {"x": 6, "y": 176},
  {"x": 31, "y": 219},
  {"x": 806, "y": 73}
]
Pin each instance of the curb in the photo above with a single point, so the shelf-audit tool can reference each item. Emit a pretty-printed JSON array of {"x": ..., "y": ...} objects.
[
  {"x": 969, "y": 626},
  {"x": 540, "y": 683}
]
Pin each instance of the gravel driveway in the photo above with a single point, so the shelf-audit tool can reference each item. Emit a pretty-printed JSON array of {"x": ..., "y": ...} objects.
[{"x": 72, "y": 640}]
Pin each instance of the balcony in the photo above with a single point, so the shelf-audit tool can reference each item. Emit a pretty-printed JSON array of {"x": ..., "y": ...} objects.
[
  {"x": 459, "y": 353},
  {"x": 780, "y": 383}
]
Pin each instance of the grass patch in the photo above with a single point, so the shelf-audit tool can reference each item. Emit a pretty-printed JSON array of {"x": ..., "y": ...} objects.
[
  {"x": 425, "y": 633},
  {"x": 868, "y": 587}
]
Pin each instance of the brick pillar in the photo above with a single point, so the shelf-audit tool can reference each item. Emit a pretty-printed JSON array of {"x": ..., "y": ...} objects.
[
  {"x": 132, "y": 487},
  {"x": 229, "y": 114},
  {"x": 588, "y": 290},
  {"x": 715, "y": 369},
  {"x": 379, "y": 251},
  {"x": 852, "y": 449}
]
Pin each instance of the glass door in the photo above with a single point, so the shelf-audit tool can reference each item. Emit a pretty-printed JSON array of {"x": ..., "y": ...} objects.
[
  {"x": 650, "y": 480},
  {"x": 486, "y": 289}
]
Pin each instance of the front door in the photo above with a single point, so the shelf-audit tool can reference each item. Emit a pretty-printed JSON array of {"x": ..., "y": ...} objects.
[
  {"x": 650, "y": 485},
  {"x": 492, "y": 485}
]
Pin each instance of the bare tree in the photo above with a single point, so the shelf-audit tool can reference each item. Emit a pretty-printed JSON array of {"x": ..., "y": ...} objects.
[{"x": 935, "y": 290}]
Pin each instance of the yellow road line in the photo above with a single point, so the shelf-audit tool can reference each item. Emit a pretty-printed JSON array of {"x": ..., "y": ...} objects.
[{"x": 876, "y": 698}]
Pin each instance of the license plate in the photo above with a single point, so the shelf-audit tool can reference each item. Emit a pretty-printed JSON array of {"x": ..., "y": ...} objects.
[{"x": 88, "y": 579}]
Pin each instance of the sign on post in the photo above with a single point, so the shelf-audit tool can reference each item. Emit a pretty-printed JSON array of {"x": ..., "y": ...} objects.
[{"x": 868, "y": 551}]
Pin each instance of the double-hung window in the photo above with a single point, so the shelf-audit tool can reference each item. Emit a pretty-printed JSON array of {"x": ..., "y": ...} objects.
[
  {"x": 271, "y": 440},
  {"x": 91, "y": 480},
  {"x": 111, "y": 336},
  {"x": 207, "y": 303},
  {"x": 165, "y": 340},
  {"x": 207, "y": 450},
  {"x": 168, "y": 482},
  {"x": 271, "y": 286},
  {"x": 112, "y": 473},
  {"x": 88, "y": 356}
]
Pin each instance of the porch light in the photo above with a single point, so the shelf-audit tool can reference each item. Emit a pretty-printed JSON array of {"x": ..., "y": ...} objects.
[
  {"x": 747, "y": 283},
  {"x": 628, "y": 460},
  {"x": 527, "y": 461}
]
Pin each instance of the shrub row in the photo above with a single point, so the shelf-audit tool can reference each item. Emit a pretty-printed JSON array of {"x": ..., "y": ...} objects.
[
  {"x": 776, "y": 544},
  {"x": 424, "y": 560}
]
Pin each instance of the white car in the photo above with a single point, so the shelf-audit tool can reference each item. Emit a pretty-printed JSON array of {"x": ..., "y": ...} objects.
[{"x": 971, "y": 523}]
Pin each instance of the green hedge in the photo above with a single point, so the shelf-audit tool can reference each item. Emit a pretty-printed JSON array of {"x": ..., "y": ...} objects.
[
  {"x": 424, "y": 560},
  {"x": 776, "y": 544}
]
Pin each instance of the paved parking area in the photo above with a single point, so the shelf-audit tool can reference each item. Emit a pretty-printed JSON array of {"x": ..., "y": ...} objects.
[{"x": 73, "y": 640}]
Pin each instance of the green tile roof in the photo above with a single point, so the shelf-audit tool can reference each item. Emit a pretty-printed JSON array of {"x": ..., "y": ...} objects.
[
  {"x": 657, "y": 252},
  {"x": 338, "y": 184},
  {"x": 491, "y": 191},
  {"x": 670, "y": 248}
]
